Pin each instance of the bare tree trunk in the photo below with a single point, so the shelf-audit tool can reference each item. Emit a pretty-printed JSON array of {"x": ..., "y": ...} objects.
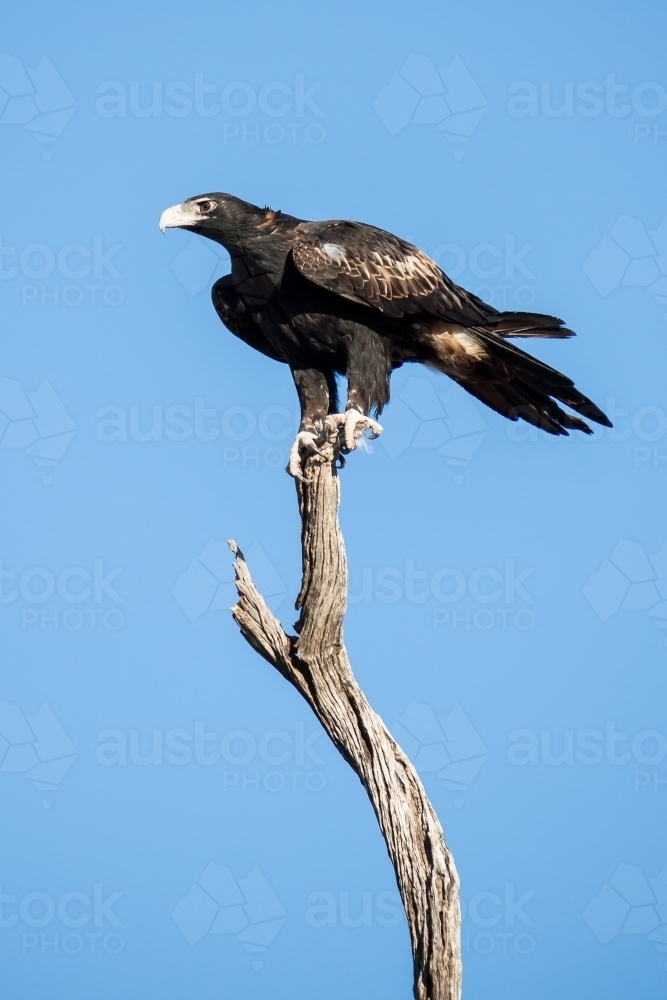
[{"x": 316, "y": 663}]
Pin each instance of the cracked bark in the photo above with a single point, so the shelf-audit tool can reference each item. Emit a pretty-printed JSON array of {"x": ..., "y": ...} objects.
[{"x": 315, "y": 661}]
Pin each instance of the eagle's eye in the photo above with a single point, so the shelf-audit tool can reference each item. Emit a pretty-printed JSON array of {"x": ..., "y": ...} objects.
[{"x": 205, "y": 206}]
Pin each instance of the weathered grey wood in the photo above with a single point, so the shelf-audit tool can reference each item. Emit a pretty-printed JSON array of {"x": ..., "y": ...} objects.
[{"x": 316, "y": 663}]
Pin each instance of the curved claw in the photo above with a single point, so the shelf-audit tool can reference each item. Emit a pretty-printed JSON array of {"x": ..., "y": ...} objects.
[
  {"x": 305, "y": 441},
  {"x": 355, "y": 424}
]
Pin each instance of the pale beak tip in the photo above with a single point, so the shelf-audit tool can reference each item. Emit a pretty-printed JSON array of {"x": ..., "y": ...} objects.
[
  {"x": 170, "y": 218},
  {"x": 178, "y": 217}
]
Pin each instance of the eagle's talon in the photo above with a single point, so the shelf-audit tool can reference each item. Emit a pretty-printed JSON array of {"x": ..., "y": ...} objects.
[
  {"x": 350, "y": 426},
  {"x": 355, "y": 424},
  {"x": 305, "y": 441},
  {"x": 373, "y": 431}
]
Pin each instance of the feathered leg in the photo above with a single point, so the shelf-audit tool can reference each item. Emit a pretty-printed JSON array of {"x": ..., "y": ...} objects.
[
  {"x": 317, "y": 394},
  {"x": 368, "y": 373}
]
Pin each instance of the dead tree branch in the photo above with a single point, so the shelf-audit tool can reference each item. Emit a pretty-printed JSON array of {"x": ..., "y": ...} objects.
[{"x": 316, "y": 663}]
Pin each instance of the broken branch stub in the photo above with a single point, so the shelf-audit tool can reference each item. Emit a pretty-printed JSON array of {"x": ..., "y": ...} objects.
[{"x": 315, "y": 662}]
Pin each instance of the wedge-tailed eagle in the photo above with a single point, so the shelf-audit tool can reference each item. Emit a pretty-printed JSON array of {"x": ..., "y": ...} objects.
[{"x": 338, "y": 297}]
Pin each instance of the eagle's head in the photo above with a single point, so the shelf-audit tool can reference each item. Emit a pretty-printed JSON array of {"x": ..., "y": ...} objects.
[{"x": 220, "y": 217}]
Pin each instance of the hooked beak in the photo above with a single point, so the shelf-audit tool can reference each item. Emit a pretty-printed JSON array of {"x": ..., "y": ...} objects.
[{"x": 178, "y": 217}]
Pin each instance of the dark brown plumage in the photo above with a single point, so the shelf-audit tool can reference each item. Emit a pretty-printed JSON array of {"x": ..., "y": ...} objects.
[{"x": 347, "y": 298}]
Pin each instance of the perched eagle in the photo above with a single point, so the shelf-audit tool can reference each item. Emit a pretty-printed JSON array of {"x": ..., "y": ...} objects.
[{"x": 347, "y": 298}]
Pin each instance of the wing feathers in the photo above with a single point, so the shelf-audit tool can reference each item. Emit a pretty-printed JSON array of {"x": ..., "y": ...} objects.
[{"x": 374, "y": 268}]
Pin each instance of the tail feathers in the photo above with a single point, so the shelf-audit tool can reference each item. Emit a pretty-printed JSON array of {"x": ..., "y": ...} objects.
[
  {"x": 520, "y": 387},
  {"x": 518, "y": 401},
  {"x": 524, "y": 324}
]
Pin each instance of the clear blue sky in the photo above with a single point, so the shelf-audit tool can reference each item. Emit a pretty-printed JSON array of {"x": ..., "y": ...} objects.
[{"x": 517, "y": 577}]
